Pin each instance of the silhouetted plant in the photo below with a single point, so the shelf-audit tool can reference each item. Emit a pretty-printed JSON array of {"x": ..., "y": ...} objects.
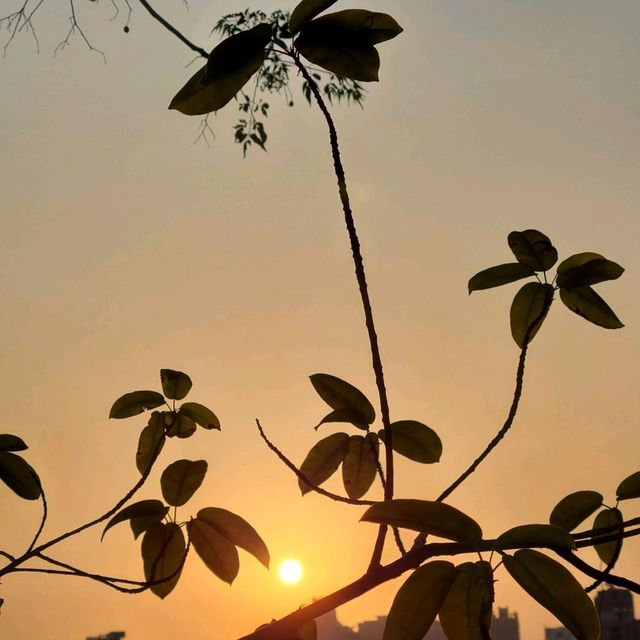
[{"x": 343, "y": 44}]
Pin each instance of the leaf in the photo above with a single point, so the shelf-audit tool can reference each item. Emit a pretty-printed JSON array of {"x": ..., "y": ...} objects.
[
  {"x": 200, "y": 415},
  {"x": 131, "y": 404},
  {"x": 608, "y": 518},
  {"x": 415, "y": 441},
  {"x": 181, "y": 425},
  {"x": 163, "y": 549},
  {"x": 359, "y": 466},
  {"x": 144, "y": 513},
  {"x": 150, "y": 443},
  {"x": 587, "y": 303},
  {"x": 433, "y": 518},
  {"x": 215, "y": 533},
  {"x": 181, "y": 479},
  {"x": 499, "y": 275},
  {"x": 629, "y": 487},
  {"x": 337, "y": 46},
  {"x": 526, "y": 308},
  {"x": 352, "y": 416},
  {"x": 323, "y": 460},
  {"x": 19, "y": 476},
  {"x": 533, "y": 249},
  {"x": 466, "y": 611},
  {"x": 532, "y": 535},
  {"x": 587, "y": 268},
  {"x": 10, "y": 442},
  {"x": 339, "y": 394},
  {"x": 218, "y": 554},
  {"x": 553, "y": 586},
  {"x": 305, "y": 11},
  {"x": 230, "y": 66},
  {"x": 175, "y": 384},
  {"x": 418, "y": 601},
  {"x": 575, "y": 508}
]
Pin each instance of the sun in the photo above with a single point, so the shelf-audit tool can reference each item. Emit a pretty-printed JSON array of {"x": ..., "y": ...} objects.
[{"x": 290, "y": 571}]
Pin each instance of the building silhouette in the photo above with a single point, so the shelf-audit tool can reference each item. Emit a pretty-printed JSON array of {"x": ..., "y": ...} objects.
[
  {"x": 504, "y": 626},
  {"x": 617, "y": 618},
  {"x": 112, "y": 635},
  {"x": 615, "y": 606}
]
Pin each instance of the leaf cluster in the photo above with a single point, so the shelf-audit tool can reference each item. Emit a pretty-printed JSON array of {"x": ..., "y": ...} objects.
[
  {"x": 535, "y": 255},
  {"x": 359, "y": 454}
]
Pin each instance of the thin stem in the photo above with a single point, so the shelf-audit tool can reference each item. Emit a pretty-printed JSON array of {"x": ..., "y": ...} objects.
[
  {"x": 304, "y": 478},
  {"x": 45, "y": 511},
  {"x": 513, "y": 409},
  {"x": 154, "y": 14},
  {"x": 592, "y": 572},
  {"x": 364, "y": 294}
]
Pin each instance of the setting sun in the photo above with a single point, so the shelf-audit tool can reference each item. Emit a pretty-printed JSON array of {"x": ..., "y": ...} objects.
[{"x": 290, "y": 571}]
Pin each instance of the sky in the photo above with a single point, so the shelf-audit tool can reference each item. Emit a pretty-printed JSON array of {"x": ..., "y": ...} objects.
[{"x": 126, "y": 248}]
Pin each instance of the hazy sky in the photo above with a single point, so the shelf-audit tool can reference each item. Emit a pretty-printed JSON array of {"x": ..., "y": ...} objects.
[{"x": 126, "y": 248}]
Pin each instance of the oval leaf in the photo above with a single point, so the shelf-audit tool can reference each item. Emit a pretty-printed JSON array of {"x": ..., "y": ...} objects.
[
  {"x": 150, "y": 443},
  {"x": 181, "y": 479},
  {"x": 415, "y": 441},
  {"x": 345, "y": 415},
  {"x": 359, "y": 466},
  {"x": 305, "y": 11},
  {"x": 418, "y": 601},
  {"x": 608, "y": 550},
  {"x": 19, "y": 476},
  {"x": 323, "y": 460},
  {"x": 219, "y": 555},
  {"x": 10, "y": 442},
  {"x": 230, "y": 66},
  {"x": 533, "y": 249},
  {"x": 499, "y": 275},
  {"x": 526, "y": 308},
  {"x": 589, "y": 305},
  {"x": 175, "y": 384},
  {"x": 556, "y": 590},
  {"x": 466, "y": 611},
  {"x": 629, "y": 487},
  {"x": 237, "y": 530},
  {"x": 575, "y": 509},
  {"x": 131, "y": 404},
  {"x": 200, "y": 415},
  {"x": 433, "y": 518},
  {"x": 587, "y": 268},
  {"x": 536, "y": 535},
  {"x": 339, "y": 394},
  {"x": 163, "y": 549},
  {"x": 145, "y": 513}
]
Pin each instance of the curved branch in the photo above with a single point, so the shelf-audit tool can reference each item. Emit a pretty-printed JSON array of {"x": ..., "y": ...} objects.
[
  {"x": 513, "y": 409},
  {"x": 303, "y": 477},
  {"x": 43, "y": 520},
  {"x": 358, "y": 261},
  {"x": 39, "y": 549},
  {"x": 592, "y": 572},
  {"x": 154, "y": 14}
]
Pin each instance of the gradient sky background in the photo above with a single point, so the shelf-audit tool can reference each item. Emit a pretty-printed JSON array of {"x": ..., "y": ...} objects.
[{"x": 126, "y": 248}]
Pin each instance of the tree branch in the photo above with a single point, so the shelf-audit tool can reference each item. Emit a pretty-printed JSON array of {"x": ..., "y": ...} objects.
[
  {"x": 364, "y": 295},
  {"x": 154, "y": 14}
]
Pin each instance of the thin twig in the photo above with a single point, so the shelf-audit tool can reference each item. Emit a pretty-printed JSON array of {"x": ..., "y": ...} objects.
[
  {"x": 305, "y": 479},
  {"x": 44, "y": 516},
  {"x": 154, "y": 14}
]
